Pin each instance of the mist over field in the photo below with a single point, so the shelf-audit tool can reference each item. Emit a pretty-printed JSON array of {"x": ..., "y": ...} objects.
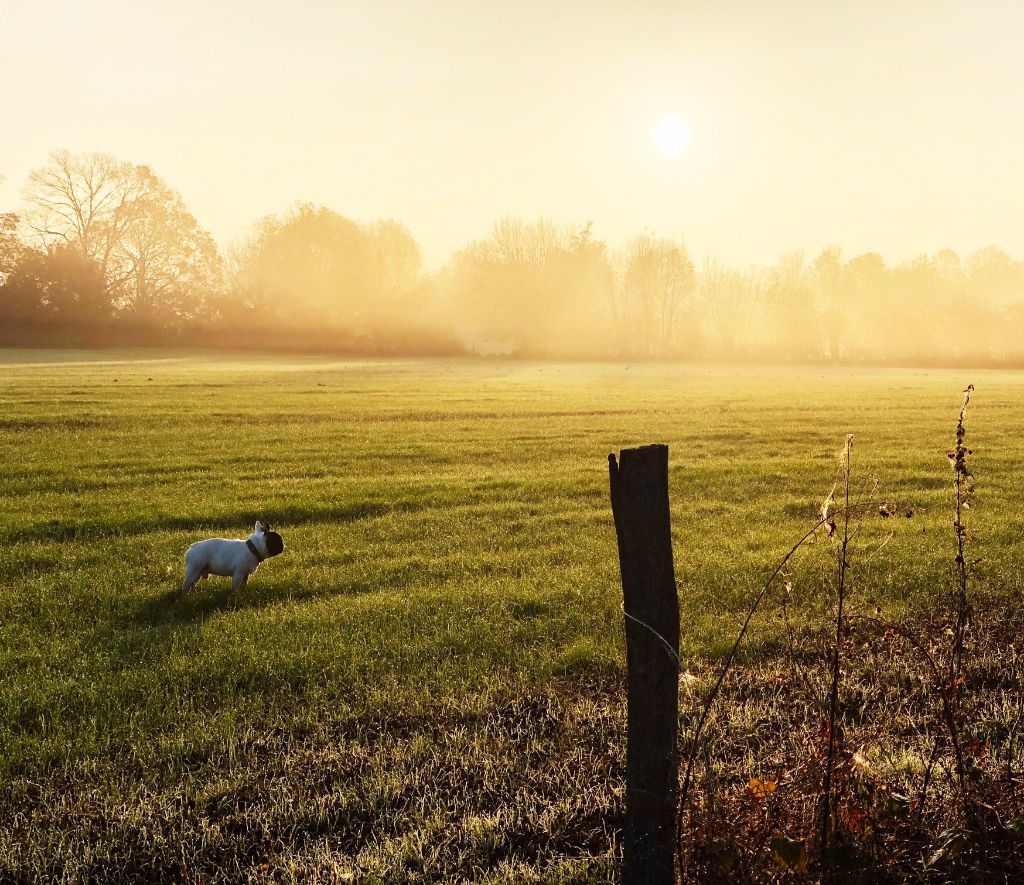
[{"x": 106, "y": 252}]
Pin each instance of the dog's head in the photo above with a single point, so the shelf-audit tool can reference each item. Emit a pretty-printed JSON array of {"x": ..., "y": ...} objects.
[{"x": 271, "y": 539}]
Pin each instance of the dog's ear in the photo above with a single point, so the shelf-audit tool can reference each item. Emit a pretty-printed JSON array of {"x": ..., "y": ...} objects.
[{"x": 259, "y": 528}]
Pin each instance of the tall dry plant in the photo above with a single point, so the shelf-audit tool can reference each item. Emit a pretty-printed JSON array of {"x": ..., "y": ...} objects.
[
  {"x": 829, "y": 518},
  {"x": 963, "y": 488},
  {"x": 842, "y": 549}
]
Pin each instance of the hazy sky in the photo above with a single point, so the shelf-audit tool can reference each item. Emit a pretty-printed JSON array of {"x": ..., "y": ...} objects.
[{"x": 896, "y": 127}]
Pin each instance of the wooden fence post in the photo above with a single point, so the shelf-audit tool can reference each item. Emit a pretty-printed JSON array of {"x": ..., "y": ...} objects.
[{"x": 640, "y": 507}]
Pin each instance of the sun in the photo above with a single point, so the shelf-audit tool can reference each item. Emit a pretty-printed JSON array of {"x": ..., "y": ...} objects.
[{"x": 672, "y": 136}]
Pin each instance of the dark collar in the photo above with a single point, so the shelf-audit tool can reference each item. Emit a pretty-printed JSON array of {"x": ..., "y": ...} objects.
[{"x": 254, "y": 550}]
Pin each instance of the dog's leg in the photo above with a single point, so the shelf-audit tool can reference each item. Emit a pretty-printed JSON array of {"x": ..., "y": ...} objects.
[
  {"x": 191, "y": 579},
  {"x": 238, "y": 581}
]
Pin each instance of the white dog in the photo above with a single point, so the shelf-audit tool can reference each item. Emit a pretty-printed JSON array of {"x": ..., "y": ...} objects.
[{"x": 230, "y": 559}]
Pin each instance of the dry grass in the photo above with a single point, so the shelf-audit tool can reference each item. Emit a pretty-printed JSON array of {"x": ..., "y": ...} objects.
[{"x": 756, "y": 802}]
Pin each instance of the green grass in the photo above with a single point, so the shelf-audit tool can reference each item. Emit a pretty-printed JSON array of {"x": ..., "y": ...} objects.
[{"x": 425, "y": 686}]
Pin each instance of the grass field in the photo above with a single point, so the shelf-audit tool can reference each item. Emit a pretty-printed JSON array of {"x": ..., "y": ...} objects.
[{"x": 427, "y": 685}]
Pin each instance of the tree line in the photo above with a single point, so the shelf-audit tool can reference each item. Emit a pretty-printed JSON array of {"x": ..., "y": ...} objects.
[{"x": 104, "y": 251}]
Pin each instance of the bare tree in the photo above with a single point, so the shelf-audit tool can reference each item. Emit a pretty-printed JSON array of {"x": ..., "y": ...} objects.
[
  {"x": 167, "y": 264},
  {"x": 152, "y": 256},
  {"x": 730, "y": 300},
  {"x": 397, "y": 259},
  {"x": 658, "y": 285},
  {"x": 833, "y": 289},
  {"x": 87, "y": 201},
  {"x": 790, "y": 296}
]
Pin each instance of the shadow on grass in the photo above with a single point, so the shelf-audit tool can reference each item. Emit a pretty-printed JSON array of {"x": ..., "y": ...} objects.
[
  {"x": 289, "y": 515},
  {"x": 173, "y": 608}
]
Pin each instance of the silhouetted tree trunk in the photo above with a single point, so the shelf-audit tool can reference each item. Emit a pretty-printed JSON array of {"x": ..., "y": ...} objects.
[{"x": 640, "y": 506}]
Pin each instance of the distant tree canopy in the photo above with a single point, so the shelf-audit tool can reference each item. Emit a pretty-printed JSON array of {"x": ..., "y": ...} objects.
[
  {"x": 312, "y": 265},
  {"x": 11, "y": 247},
  {"x": 655, "y": 309},
  {"x": 529, "y": 284},
  {"x": 60, "y": 285},
  {"x": 107, "y": 238},
  {"x": 105, "y": 251}
]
